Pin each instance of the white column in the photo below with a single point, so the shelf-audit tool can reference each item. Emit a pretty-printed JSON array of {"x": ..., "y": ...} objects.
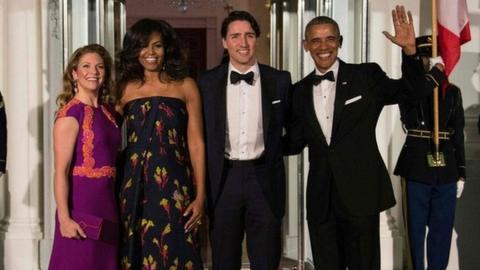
[
  {"x": 390, "y": 243},
  {"x": 391, "y": 233},
  {"x": 52, "y": 85},
  {"x": 388, "y": 128},
  {"x": 20, "y": 228}
]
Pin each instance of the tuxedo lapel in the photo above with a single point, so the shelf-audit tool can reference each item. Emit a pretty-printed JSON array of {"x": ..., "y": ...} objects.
[
  {"x": 310, "y": 108},
  {"x": 221, "y": 87},
  {"x": 341, "y": 93},
  {"x": 268, "y": 85}
]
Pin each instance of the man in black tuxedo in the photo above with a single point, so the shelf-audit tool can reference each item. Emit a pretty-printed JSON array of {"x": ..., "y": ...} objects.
[
  {"x": 335, "y": 113},
  {"x": 244, "y": 106}
]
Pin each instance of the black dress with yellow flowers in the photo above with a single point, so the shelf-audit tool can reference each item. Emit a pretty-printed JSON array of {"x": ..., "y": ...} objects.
[{"x": 157, "y": 187}]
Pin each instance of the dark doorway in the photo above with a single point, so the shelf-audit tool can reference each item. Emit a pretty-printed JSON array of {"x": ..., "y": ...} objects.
[
  {"x": 467, "y": 216},
  {"x": 194, "y": 41}
]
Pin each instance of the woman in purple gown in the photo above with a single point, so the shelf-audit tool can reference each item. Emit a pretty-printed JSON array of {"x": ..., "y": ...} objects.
[{"x": 86, "y": 138}]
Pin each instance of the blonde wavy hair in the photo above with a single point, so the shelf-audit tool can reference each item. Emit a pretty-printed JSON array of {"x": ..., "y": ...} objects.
[{"x": 105, "y": 96}]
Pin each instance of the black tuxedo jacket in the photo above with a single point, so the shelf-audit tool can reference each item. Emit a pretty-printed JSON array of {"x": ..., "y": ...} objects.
[
  {"x": 412, "y": 162},
  {"x": 275, "y": 87},
  {"x": 351, "y": 164}
]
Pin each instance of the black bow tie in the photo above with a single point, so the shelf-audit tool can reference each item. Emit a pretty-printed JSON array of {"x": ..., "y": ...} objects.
[
  {"x": 319, "y": 78},
  {"x": 236, "y": 77}
]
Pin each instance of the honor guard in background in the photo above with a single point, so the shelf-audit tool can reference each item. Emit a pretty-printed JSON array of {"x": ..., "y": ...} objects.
[
  {"x": 431, "y": 191},
  {"x": 3, "y": 137}
]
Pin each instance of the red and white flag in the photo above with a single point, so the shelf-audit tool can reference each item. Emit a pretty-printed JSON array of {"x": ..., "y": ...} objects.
[{"x": 453, "y": 30}]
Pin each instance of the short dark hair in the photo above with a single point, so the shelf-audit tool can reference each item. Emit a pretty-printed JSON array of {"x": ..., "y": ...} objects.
[
  {"x": 239, "y": 15},
  {"x": 322, "y": 20},
  {"x": 137, "y": 38}
]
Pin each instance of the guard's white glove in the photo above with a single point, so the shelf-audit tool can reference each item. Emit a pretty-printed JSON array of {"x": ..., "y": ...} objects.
[
  {"x": 460, "y": 186},
  {"x": 436, "y": 60}
]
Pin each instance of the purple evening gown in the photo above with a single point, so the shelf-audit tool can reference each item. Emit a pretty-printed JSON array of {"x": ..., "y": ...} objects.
[{"x": 92, "y": 189}]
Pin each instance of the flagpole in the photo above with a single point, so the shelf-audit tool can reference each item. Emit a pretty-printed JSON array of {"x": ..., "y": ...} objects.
[{"x": 436, "y": 140}]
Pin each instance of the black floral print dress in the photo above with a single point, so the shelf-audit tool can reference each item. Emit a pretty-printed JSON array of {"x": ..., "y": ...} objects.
[{"x": 157, "y": 187}]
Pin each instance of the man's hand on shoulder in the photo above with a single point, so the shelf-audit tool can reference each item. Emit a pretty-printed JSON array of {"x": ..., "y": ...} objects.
[{"x": 404, "y": 31}]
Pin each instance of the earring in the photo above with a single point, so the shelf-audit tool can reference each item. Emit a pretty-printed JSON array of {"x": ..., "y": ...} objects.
[{"x": 75, "y": 89}]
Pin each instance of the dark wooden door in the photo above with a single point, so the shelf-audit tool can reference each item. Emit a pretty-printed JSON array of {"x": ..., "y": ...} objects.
[{"x": 194, "y": 41}]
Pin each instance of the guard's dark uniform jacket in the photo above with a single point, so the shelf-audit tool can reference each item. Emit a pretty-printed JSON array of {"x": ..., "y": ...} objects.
[{"x": 417, "y": 120}]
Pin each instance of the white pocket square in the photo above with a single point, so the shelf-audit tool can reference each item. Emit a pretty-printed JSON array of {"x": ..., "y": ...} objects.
[
  {"x": 353, "y": 100},
  {"x": 276, "y": 101}
]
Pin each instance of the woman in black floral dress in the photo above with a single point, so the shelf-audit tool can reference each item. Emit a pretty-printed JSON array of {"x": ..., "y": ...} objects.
[{"x": 162, "y": 193}]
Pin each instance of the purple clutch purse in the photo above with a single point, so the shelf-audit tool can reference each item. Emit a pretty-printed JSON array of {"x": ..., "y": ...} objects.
[{"x": 97, "y": 228}]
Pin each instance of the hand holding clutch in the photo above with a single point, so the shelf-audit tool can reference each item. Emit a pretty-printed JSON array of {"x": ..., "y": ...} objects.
[{"x": 97, "y": 228}]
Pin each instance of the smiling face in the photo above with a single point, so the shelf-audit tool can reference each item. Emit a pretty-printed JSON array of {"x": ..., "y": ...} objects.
[
  {"x": 322, "y": 41},
  {"x": 240, "y": 42},
  {"x": 90, "y": 72},
  {"x": 151, "y": 57}
]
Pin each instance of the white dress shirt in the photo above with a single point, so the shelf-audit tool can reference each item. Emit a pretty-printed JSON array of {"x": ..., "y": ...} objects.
[
  {"x": 324, "y": 101},
  {"x": 244, "y": 127}
]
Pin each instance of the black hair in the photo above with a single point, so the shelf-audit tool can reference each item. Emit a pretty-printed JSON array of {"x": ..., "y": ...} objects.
[
  {"x": 324, "y": 20},
  {"x": 239, "y": 15},
  {"x": 137, "y": 38}
]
